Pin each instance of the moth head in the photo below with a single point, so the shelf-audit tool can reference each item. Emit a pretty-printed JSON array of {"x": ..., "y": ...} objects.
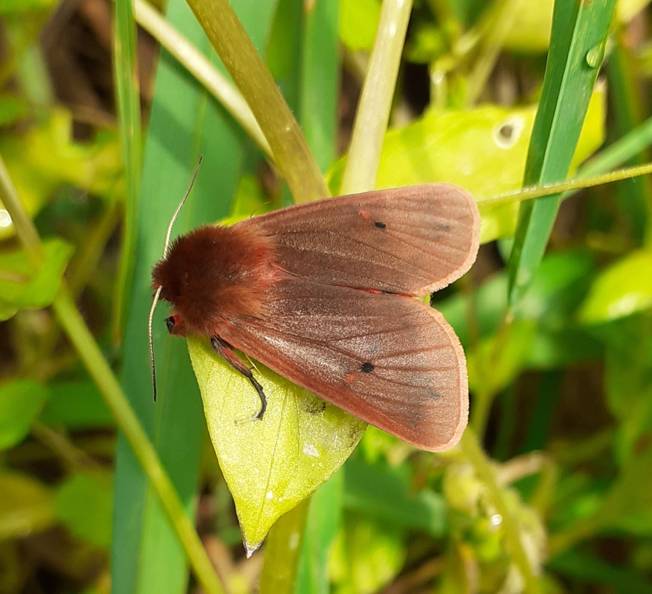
[{"x": 159, "y": 286}]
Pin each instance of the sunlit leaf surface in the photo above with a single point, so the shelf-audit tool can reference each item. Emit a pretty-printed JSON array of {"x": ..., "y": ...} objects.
[
  {"x": 621, "y": 290},
  {"x": 23, "y": 288},
  {"x": 481, "y": 149},
  {"x": 270, "y": 464}
]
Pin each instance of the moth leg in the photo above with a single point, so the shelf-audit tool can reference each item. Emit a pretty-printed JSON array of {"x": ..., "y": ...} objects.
[{"x": 225, "y": 350}]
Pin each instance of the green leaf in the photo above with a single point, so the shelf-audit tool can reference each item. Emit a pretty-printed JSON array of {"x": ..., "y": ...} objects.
[
  {"x": 84, "y": 504},
  {"x": 18, "y": 7},
  {"x": 628, "y": 505},
  {"x": 559, "y": 286},
  {"x": 12, "y": 108},
  {"x": 579, "y": 36},
  {"x": 46, "y": 157},
  {"x": 21, "y": 288},
  {"x": 628, "y": 379},
  {"x": 498, "y": 360},
  {"x": 385, "y": 493},
  {"x": 269, "y": 465},
  {"x": 530, "y": 31},
  {"x": 358, "y": 23},
  {"x": 76, "y": 405},
  {"x": 20, "y": 403},
  {"x": 621, "y": 290},
  {"x": 26, "y": 506},
  {"x": 482, "y": 149},
  {"x": 589, "y": 568},
  {"x": 367, "y": 555}
]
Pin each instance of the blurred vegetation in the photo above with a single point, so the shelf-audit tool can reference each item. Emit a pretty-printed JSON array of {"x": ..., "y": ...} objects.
[{"x": 99, "y": 130}]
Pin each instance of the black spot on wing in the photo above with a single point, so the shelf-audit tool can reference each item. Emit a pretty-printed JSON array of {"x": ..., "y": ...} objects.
[
  {"x": 380, "y": 224},
  {"x": 367, "y": 367}
]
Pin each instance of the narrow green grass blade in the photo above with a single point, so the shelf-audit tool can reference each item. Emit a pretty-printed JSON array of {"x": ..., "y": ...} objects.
[
  {"x": 185, "y": 122},
  {"x": 579, "y": 34},
  {"x": 128, "y": 104},
  {"x": 633, "y": 196}
]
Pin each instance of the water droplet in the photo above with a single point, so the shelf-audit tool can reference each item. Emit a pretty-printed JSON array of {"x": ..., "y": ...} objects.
[
  {"x": 269, "y": 495},
  {"x": 595, "y": 55},
  {"x": 496, "y": 520}
]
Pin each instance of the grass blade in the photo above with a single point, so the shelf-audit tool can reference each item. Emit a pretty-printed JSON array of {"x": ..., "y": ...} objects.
[
  {"x": 632, "y": 196},
  {"x": 128, "y": 104},
  {"x": 185, "y": 121},
  {"x": 579, "y": 34},
  {"x": 376, "y": 98}
]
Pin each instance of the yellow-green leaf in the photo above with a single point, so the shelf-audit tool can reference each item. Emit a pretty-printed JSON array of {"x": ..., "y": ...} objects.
[
  {"x": 530, "y": 30},
  {"x": 481, "y": 149},
  {"x": 47, "y": 157},
  {"x": 26, "y": 506},
  {"x": 270, "y": 465},
  {"x": 22, "y": 288},
  {"x": 621, "y": 290},
  {"x": 358, "y": 23},
  {"x": 20, "y": 402}
]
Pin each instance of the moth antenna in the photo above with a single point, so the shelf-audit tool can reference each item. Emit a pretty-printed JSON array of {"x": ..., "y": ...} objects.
[
  {"x": 150, "y": 338},
  {"x": 157, "y": 295},
  {"x": 195, "y": 171}
]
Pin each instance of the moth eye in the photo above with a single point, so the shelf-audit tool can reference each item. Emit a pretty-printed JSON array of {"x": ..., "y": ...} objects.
[{"x": 170, "y": 323}]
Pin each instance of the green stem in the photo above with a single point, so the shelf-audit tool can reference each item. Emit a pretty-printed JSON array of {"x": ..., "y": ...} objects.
[
  {"x": 484, "y": 469},
  {"x": 376, "y": 99},
  {"x": 282, "y": 551},
  {"x": 83, "y": 341},
  {"x": 236, "y": 50},
  {"x": 25, "y": 230},
  {"x": 498, "y": 27},
  {"x": 197, "y": 64},
  {"x": 99, "y": 370},
  {"x": 579, "y": 531},
  {"x": 573, "y": 185}
]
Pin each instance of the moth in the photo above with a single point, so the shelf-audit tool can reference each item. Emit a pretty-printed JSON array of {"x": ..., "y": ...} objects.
[{"x": 329, "y": 295}]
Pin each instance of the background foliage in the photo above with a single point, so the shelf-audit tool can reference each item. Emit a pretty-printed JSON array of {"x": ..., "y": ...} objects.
[{"x": 555, "y": 315}]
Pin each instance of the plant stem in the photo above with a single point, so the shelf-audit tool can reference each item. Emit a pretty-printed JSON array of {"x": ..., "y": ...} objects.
[
  {"x": 25, "y": 230},
  {"x": 376, "y": 99},
  {"x": 80, "y": 336},
  {"x": 573, "y": 185},
  {"x": 197, "y": 64},
  {"x": 282, "y": 551},
  {"x": 580, "y": 530},
  {"x": 487, "y": 474},
  {"x": 291, "y": 153},
  {"x": 99, "y": 370}
]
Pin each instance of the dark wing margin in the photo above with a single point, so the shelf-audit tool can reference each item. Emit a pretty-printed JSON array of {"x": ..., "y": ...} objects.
[
  {"x": 410, "y": 240},
  {"x": 388, "y": 359}
]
